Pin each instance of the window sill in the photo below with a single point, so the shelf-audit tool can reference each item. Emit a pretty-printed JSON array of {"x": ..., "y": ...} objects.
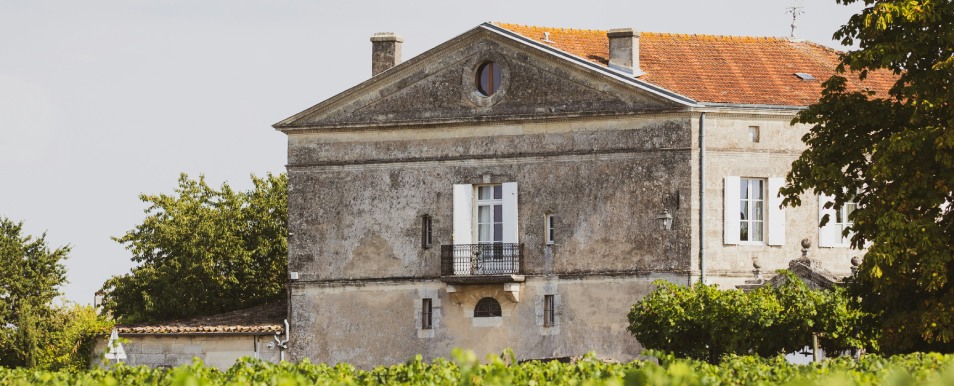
[{"x": 491, "y": 321}]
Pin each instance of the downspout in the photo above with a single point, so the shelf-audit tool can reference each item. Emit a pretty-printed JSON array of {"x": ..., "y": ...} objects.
[
  {"x": 702, "y": 201},
  {"x": 282, "y": 344}
]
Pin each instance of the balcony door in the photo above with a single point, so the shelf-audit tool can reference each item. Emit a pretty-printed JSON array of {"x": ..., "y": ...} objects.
[
  {"x": 489, "y": 214},
  {"x": 485, "y": 217},
  {"x": 489, "y": 229}
]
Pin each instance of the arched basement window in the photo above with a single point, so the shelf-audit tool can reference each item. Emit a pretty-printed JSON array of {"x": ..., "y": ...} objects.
[{"x": 487, "y": 307}]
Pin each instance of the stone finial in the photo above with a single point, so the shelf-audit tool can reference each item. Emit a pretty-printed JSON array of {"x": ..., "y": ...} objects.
[
  {"x": 385, "y": 51},
  {"x": 855, "y": 264},
  {"x": 758, "y": 268},
  {"x": 806, "y": 244}
]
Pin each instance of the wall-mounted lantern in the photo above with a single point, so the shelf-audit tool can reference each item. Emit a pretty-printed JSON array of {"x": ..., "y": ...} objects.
[{"x": 664, "y": 220}]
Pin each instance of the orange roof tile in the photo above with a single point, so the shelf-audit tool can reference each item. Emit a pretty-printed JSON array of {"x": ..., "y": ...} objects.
[
  {"x": 265, "y": 318},
  {"x": 718, "y": 69}
]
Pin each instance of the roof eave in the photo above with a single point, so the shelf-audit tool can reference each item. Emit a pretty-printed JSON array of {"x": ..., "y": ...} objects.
[
  {"x": 288, "y": 123},
  {"x": 722, "y": 106}
]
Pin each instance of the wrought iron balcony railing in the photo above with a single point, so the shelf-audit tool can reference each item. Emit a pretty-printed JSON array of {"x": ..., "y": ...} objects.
[{"x": 481, "y": 259}]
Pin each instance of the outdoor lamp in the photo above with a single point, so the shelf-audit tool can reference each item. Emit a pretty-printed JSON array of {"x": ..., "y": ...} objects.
[{"x": 664, "y": 220}]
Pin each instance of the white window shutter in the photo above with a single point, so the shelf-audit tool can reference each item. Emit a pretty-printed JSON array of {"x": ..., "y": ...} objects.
[
  {"x": 510, "y": 214},
  {"x": 732, "y": 213},
  {"x": 828, "y": 235},
  {"x": 776, "y": 213},
  {"x": 463, "y": 214}
]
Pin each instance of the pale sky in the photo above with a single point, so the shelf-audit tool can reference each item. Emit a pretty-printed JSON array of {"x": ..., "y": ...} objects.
[{"x": 103, "y": 100}]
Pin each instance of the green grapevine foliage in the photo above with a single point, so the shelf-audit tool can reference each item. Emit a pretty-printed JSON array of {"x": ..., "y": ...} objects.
[{"x": 659, "y": 369}]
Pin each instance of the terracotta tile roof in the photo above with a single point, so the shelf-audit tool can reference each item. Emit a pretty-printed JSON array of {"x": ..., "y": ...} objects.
[
  {"x": 267, "y": 318},
  {"x": 718, "y": 69}
]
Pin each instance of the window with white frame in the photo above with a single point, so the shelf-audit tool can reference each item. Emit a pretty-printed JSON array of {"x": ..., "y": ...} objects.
[
  {"x": 832, "y": 234},
  {"x": 489, "y": 214},
  {"x": 753, "y": 213},
  {"x": 486, "y": 215},
  {"x": 754, "y": 133},
  {"x": 550, "y": 221},
  {"x": 751, "y": 209}
]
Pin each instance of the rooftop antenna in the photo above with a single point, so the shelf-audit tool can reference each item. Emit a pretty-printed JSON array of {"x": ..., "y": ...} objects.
[{"x": 795, "y": 10}]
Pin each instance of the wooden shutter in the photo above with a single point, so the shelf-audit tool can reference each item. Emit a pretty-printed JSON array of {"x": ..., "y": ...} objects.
[
  {"x": 463, "y": 214},
  {"x": 510, "y": 213},
  {"x": 776, "y": 214},
  {"x": 731, "y": 213},
  {"x": 828, "y": 235}
]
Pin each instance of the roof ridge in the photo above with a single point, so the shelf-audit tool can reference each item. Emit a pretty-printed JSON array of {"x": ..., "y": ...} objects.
[
  {"x": 502, "y": 25},
  {"x": 716, "y": 36}
]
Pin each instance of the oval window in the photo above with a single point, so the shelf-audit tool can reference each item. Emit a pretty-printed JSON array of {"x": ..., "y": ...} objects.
[{"x": 488, "y": 78}]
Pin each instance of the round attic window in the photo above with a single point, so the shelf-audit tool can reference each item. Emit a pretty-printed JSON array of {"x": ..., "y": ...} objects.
[
  {"x": 488, "y": 78},
  {"x": 485, "y": 78}
]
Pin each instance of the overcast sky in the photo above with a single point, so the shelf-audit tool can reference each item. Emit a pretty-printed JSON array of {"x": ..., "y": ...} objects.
[{"x": 103, "y": 100}]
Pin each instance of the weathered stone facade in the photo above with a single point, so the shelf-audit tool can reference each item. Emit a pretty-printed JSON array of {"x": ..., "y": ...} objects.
[
  {"x": 215, "y": 350},
  {"x": 601, "y": 152}
]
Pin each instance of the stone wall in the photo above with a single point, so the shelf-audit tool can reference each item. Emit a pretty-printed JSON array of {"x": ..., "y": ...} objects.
[
  {"x": 218, "y": 351},
  {"x": 730, "y": 152},
  {"x": 604, "y": 180},
  {"x": 378, "y": 323}
]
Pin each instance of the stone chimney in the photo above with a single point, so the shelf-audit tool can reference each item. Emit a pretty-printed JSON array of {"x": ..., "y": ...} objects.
[
  {"x": 624, "y": 50},
  {"x": 385, "y": 51}
]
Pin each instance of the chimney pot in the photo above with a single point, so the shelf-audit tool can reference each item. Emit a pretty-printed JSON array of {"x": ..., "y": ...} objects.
[
  {"x": 385, "y": 51},
  {"x": 624, "y": 50}
]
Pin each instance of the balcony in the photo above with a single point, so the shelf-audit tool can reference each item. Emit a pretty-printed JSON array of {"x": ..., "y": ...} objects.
[{"x": 482, "y": 263}]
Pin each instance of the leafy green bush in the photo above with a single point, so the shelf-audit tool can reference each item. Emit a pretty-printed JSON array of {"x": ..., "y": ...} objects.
[
  {"x": 706, "y": 323},
  {"x": 871, "y": 370},
  {"x": 54, "y": 338}
]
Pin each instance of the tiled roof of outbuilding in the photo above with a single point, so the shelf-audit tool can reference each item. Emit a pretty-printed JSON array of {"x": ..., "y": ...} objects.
[
  {"x": 718, "y": 69},
  {"x": 266, "y": 318}
]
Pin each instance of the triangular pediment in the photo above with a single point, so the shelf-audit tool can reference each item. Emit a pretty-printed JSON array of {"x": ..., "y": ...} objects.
[{"x": 439, "y": 87}]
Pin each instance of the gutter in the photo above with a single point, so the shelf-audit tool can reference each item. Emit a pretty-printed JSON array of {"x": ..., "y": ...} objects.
[
  {"x": 751, "y": 106},
  {"x": 160, "y": 334},
  {"x": 702, "y": 201},
  {"x": 282, "y": 343}
]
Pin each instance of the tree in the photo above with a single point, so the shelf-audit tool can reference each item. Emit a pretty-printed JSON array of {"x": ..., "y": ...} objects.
[
  {"x": 706, "y": 323},
  {"x": 202, "y": 251},
  {"x": 894, "y": 154},
  {"x": 30, "y": 276}
]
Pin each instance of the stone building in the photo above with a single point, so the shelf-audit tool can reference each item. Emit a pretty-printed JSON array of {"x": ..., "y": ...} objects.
[
  {"x": 523, "y": 186},
  {"x": 217, "y": 340}
]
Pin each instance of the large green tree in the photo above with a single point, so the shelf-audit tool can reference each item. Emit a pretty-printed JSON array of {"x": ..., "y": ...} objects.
[
  {"x": 203, "y": 250},
  {"x": 31, "y": 273},
  {"x": 894, "y": 154}
]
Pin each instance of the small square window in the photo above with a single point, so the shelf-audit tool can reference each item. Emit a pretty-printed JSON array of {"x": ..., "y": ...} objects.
[
  {"x": 426, "y": 231},
  {"x": 754, "y": 133},
  {"x": 427, "y": 312},
  {"x": 550, "y": 224},
  {"x": 549, "y": 311}
]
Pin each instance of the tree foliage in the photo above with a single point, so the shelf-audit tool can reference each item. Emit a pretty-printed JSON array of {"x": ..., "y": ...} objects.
[
  {"x": 33, "y": 332},
  {"x": 30, "y": 276},
  {"x": 202, "y": 251},
  {"x": 894, "y": 154},
  {"x": 706, "y": 323}
]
